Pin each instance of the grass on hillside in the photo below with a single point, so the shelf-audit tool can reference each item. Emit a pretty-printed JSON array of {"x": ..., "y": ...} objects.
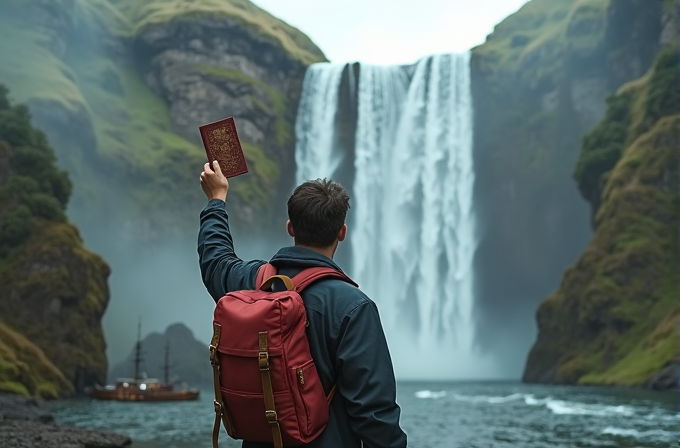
[
  {"x": 141, "y": 15},
  {"x": 25, "y": 370},
  {"x": 538, "y": 31},
  {"x": 31, "y": 70}
]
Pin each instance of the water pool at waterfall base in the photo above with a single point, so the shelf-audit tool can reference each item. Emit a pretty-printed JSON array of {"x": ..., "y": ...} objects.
[{"x": 451, "y": 415}]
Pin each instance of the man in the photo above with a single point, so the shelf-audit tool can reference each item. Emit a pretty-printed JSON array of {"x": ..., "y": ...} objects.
[{"x": 345, "y": 334}]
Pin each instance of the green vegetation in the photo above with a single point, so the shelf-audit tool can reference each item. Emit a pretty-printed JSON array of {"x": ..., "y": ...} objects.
[
  {"x": 602, "y": 147},
  {"x": 25, "y": 370},
  {"x": 33, "y": 187},
  {"x": 142, "y": 15},
  {"x": 539, "y": 33}
]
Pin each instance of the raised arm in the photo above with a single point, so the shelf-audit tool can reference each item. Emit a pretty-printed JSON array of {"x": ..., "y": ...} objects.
[
  {"x": 366, "y": 380},
  {"x": 221, "y": 270}
]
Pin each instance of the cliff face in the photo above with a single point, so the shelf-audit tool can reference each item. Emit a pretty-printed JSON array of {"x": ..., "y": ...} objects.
[
  {"x": 614, "y": 319},
  {"x": 121, "y": 89},
  {"x": 539, "y": 83},
  {"x": 54, "y": 291}
]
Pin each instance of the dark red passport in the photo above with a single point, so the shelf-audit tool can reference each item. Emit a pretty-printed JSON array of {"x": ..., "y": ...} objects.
[{"x": 221, "y": 143}]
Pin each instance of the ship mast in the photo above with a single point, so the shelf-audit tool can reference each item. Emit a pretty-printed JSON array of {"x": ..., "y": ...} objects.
[
  {"x": 166, "y": 366},
  {"x": 138, "y": 350}
]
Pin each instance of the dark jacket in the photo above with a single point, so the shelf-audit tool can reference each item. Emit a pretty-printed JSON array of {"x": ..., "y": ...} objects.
[{"x": 345, "y": 336}]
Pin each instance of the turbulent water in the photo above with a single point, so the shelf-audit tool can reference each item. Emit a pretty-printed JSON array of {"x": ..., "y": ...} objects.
[
  {"x": 434, "y": 415},
  {"x": 413, "y": 225}
]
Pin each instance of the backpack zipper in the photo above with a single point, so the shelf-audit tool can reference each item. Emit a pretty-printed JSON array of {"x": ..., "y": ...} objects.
[{"x": 301, "y": 376}]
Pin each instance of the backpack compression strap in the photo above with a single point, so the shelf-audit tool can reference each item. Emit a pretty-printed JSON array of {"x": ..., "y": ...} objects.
[{"x": 301, "y": 281}]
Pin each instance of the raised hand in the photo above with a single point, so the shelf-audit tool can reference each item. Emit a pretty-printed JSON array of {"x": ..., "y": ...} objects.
[{"x": 213, "y": 182}]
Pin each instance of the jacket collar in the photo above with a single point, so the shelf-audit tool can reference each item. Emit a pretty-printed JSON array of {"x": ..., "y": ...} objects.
[{"x": 302, "y": 257}]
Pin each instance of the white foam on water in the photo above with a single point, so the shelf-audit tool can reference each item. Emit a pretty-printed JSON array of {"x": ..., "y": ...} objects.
[
  {"x": 430, "y": 394},
  {"x": 563, "y": 407},
  {"x": 488, "y": 399},
  {"x": 634, "y": 433}
]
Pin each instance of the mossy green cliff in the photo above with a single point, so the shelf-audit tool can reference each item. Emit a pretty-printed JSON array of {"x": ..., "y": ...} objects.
[
  {"x": 54, "y": 291},
  {"x": 614, "y": 320},
  {"x": 121, "y": 86},
  {"x": 539, "y": 83}
]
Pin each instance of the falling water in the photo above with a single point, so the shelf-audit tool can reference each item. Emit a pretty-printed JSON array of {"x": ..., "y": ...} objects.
[
  {"x": 413, "y": 228},
  {"x": 315, "y": 125}
]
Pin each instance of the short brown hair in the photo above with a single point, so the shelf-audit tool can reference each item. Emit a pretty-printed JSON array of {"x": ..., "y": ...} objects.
[{"x": 317, "y": 210}]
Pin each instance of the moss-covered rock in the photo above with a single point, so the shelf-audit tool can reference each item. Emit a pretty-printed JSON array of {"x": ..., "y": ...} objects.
[
  {"x": 614, "y": 319},
  {"x": 25, "y": 370},
  {"x": 54, "y": 291},
  {"x": 142, "y": 16}
]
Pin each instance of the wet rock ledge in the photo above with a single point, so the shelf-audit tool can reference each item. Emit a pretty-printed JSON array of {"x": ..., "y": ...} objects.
[{"x": 25, "y": 423}]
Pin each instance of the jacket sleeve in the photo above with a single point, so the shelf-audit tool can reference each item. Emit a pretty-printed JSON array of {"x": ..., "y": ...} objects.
[
  {"x": 222, "y": 271},
  {"x": 366, "y": 379}
]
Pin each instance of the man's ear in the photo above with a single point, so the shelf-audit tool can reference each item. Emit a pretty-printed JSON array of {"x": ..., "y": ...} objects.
[
  {"x": 342, "y": 233},
  {"x": 289, "y": 228}
]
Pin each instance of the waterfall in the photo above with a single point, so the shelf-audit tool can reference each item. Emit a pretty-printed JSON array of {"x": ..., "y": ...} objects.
[
  {"x": 413, "y": 233},
  {"x": 315, "y": 124}
]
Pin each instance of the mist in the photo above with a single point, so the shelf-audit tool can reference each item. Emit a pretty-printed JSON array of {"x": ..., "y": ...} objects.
[{"x": 160, "y": 283}]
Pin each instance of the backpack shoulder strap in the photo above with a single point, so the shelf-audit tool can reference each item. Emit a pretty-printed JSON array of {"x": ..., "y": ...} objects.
[
  {"x": 310, "y": 275},
  {"x": 264, "y": 272}
]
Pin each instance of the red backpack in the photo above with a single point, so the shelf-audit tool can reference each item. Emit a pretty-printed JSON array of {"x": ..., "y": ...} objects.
[{"x": 267, "y": 388}]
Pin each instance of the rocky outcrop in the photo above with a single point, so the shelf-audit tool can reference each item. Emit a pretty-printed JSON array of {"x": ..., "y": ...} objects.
[
  {"x": 25, "y": 423},
  {"x": 54, "y": 291},
  {"x": 25, "y": 370},
  {"x": 540, "y": 83},
  {"x": 187, "y": 358},
  {"x": 614, "y": 320},
  {"x": 214, "y": 67}
]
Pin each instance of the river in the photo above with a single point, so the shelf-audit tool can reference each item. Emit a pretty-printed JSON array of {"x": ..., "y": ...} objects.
[{"x": 456, "y": 415}]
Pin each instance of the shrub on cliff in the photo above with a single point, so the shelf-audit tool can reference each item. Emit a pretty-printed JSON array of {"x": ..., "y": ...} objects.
[
  {"x": 602, "y": 148},
  {"x": 31, "y": 185}
]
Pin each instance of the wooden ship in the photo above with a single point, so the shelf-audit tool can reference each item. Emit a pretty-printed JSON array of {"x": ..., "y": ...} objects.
[{"x": 143, "y": 389}]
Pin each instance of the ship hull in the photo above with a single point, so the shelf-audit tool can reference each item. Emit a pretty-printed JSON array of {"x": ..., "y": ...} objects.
[{"x": 137, "y": 395}]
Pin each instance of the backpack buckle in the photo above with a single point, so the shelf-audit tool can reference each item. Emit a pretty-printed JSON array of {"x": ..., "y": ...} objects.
[
  {"x": 263, "y": 360},
  {"x": 218, "y": 407},
  {"x": 272, "y": 417}
]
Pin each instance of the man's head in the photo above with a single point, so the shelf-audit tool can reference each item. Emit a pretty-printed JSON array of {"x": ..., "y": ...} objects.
[{"x": 316, "y": 212}]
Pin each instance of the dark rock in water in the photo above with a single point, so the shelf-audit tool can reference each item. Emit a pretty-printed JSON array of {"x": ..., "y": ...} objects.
[
  {"x": 188, "y": 358},
  {"x": 25, "y": 423},
  {"x": 664, "y": 379},
  {"x": 21, "y": 434},
  {"x": 15, "y": 407}
]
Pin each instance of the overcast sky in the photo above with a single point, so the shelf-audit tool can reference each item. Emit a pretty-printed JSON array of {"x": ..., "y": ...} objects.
[{"x": 392, "y": 31}]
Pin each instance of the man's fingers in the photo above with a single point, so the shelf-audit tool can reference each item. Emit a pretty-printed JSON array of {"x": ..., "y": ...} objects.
[
  {"x": 216, "y": 167},
  {"x": 207, "y": 169}
]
